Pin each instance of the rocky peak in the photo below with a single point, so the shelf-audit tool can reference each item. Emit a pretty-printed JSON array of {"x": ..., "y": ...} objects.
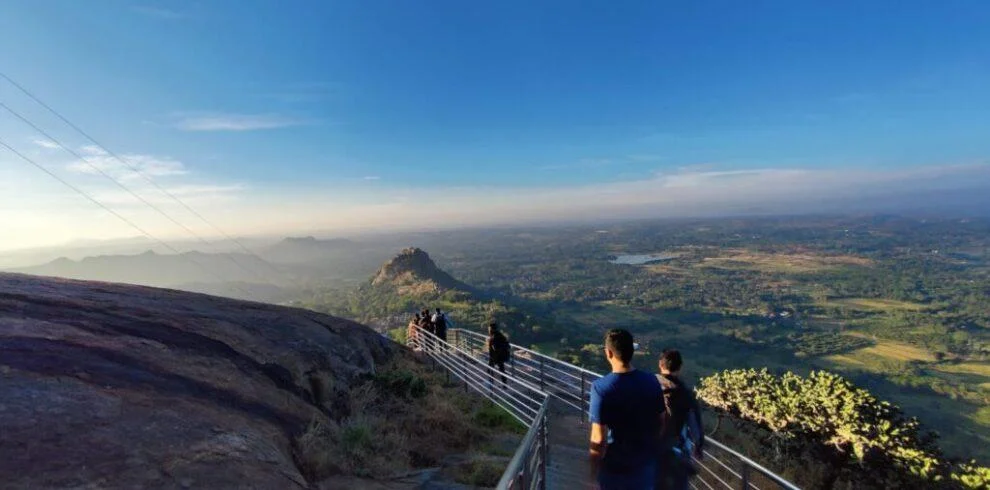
[{"x": 413, "y": 265}]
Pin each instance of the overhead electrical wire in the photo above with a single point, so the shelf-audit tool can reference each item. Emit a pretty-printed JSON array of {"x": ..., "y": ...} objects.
[
  {"x": 110, "y": 210},
  {"x": 127, "y": 164},
  {"x": 127, "y": 189}
]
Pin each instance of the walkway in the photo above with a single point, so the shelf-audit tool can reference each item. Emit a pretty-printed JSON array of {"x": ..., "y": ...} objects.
[{"x": 550, "y": 397}]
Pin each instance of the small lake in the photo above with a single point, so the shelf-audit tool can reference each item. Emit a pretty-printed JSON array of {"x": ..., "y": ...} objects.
[{"x": 641, "y": 259}]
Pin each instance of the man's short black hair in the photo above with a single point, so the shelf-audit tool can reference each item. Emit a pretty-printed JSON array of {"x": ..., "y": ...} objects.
[
  {"x": 670, "y": 360},
  {"x": 493, "y": 326},
  {"x": 620, "y": 342}
]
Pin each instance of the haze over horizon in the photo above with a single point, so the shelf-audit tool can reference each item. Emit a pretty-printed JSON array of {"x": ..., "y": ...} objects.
[{"x": 358, "y": 116}]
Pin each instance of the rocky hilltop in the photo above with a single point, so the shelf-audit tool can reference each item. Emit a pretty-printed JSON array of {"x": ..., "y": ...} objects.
[
  {"x": 412, "y": 271},
  {"x": 117, "y": 386}
]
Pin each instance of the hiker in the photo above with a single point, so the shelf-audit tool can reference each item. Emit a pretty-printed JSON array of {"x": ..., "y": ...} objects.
[
  {"x": 411, "y": 333},
  {"x": 499, "y": 350},
  {"x": 425, "y": 322},
  {"x": 626, "y": 415},
  {"x": 683, "y": 415},
  {"x": 440, "y": 324}
]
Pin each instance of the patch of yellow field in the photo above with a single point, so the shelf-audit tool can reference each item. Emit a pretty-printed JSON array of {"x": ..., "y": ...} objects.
[
  {"x": 664, "y": 269},
  {"x": 781, "y": 262},
  {"x": 977, "y": 368},
  {"x": 845, "y": 360},
  {"x": 872, "y": 304},
  {"x": 896, "y": 351}
]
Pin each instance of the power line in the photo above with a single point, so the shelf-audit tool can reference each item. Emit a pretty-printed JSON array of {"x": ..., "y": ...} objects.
[
  {"x": 119, "y": 184},
  {"x": 106, "y": 208},
  {"x": 127, "y": 164}
]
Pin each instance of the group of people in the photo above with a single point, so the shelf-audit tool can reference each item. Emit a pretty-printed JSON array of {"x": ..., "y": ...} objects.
[
  {"x": 645, "y": 427},
  {"x": 435, "y": 323}
]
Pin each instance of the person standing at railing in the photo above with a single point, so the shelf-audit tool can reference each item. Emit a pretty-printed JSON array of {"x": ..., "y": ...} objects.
[
  {"x": 499, "y": 350},
  {"x": 626, "y": 413},
  {"x": 440, "y": 324},
  {"x": 683, "y": 434},
  {"x": 424, "y": 321},
  {"x": 412, "y": 331}
]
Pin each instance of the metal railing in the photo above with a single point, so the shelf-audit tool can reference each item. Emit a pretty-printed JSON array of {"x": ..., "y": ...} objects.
[
  {"x": 721, "y": 467},
  {"x": 523, "y": 400},
  {"x": 569, "y": 383}
]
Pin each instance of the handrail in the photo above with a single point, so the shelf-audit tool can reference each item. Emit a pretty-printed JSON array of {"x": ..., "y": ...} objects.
[
  {"x": 524, "y": 401},
  {"x": 519, "y": 472},
  {"x": 533, "y": 352},
  {"x": 547, "y": 370},
  {"x": 578, "y": 397}
]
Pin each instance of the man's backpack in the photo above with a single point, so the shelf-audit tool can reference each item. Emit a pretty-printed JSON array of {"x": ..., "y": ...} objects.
[
  {"x": 500, "y": 350},
  {"x": 677, "y": 402}
]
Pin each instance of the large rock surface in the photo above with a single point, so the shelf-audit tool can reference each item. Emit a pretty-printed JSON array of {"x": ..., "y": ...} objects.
[{"x": 114, "y": 386}]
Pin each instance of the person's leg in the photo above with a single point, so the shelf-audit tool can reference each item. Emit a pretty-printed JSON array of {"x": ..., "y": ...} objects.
[
  {"x": 646, "y": 478},
  {"x": 501, "y": 367},
  {"x": 642, "y": 479}
]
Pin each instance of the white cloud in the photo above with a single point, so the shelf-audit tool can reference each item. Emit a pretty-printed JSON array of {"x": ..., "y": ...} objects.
[
  {"x": 234, "y": 122},
  {"x": 372, "y": 177},
  {"x": 96, "y": 160},
  {"x": 690, "y": 191},
  {"x": 47, "y": 144}
]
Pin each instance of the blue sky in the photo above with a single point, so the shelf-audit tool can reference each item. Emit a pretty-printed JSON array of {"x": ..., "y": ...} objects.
[{"x": 360, "y": 108}]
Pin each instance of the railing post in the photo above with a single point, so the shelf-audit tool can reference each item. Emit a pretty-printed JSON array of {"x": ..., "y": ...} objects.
[
  {"x": 545, "y": 448},
  {"x": 745, "y": 476},
  {"x": 584, "y": 409},
  {"x": 542, "y": 387}
]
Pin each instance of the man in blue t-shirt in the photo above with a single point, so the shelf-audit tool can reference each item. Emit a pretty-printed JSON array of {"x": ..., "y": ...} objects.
[{"x": 626, "y": 413}]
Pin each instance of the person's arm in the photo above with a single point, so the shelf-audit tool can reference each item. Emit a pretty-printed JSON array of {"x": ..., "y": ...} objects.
[
  {"x": 596, "y": 450},
  {"x": 598, "y": 439},
  {"x": 696, "y": 427}
]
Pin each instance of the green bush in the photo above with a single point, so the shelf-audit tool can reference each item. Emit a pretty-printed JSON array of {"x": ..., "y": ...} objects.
[
  {"x": 494, "y": 417},
  {"x": 401, "y": 383},
  {"x": 869, "y": 439}
]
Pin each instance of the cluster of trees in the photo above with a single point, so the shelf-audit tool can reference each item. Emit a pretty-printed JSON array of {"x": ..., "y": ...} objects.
[{"x": 853, "y": 439}]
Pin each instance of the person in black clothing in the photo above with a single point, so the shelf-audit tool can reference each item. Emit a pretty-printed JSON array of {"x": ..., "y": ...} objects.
[
  {"x": 425, "y": 322},
  {"x": 677, "y": 445},
  {"x": 440, "y": 325},
  {"x": 499, "y": 349}
]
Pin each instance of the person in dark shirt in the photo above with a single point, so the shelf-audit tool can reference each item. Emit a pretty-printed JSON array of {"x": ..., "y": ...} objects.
[
  {"x": 499, "y": 351},
  {"x": 626, "y": 413},
  {"x": 683, "y": 434},
  {"x": 440, "y": 324}
]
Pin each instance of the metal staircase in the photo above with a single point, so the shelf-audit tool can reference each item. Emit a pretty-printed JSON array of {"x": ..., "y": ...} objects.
[{"x": 551, "y": 397}]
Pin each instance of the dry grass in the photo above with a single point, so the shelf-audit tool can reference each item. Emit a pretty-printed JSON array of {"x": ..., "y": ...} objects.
[
  {"x": 872, "y": 304},
  {"x": 897, "y": 351},
  {"x": 786, "y": 263},
  {"x": 403, "y": 419},
  {"x": 977, "y": 368},
  {"x": 870, "y": 358},
  {"x": 845, "y": 360}
]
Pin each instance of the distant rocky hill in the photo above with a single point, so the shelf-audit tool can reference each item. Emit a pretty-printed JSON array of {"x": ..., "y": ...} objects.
[
  {"x": 118, "y": 386},
  {"x": 412, "y": 271},
  {"x": 162, "y": 270},
  {"x": 411, "y": 281}
]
